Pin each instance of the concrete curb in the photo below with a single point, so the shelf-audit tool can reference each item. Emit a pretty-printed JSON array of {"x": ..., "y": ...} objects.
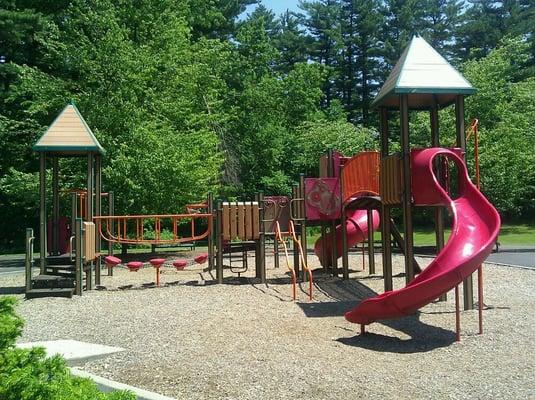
[{"x": 107, "y": 385}]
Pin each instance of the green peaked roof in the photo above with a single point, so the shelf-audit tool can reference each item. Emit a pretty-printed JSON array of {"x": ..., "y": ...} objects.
[
  {"x": 69, "y": 134},
  {"x": 425, "y": 75}
]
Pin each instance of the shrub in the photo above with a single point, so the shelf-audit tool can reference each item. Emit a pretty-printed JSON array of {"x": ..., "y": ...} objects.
[{"x": 31, "y": 375}]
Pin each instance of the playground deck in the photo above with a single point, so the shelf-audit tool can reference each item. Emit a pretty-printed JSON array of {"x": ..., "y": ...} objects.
[{"x": 250, "y": 341}]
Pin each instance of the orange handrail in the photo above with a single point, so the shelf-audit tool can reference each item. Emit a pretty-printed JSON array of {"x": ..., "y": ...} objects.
[
  {"x": 280, "y": 239},
  {"x": 302, "y": 257},
  {"x": 121, "y": 222}
]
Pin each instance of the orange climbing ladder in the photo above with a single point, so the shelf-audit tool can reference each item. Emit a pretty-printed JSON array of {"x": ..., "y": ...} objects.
[{"x": 280, "y": 238}]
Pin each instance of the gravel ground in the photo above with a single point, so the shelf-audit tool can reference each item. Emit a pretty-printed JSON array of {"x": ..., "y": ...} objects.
[{"x": 191, "y": 339}]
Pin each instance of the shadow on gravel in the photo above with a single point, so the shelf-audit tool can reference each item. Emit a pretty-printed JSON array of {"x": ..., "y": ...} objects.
[
  {"x": 11, "y": 290},
  {"x": 424, "y": 338},
  {"x": 11, "y": 263},
  {"x": 347, "y": 294}
]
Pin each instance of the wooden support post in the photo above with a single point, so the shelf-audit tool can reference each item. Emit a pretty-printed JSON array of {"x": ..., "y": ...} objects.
[
  {"x": 98, "y": 212},
  {"x": 371, "y": 250},
  {"x": 42, "y": 212},
  {"x": 260, "y": 258},
  {"x": 334, "y": 259},
  {"x": 79, "y": 260},
  {"x": 386, "y": 244},
  {"x": 90, "y": 210},
  {"x": 111, "y": 227},
  {"x": 210, "y": 209},
  {"x": 386, "y": 239},
  {"x": 345, "y": 250},
  {"x": 55, "y": 206},
  {"x": 468, "y": 286},
  {"x": 219, "y": 243},
  {"x": 407, "y": 195},
  {"x": 323, "y": 253},
  {"x": 297, "y": 258},
  {"x": 439, "y": 211},
  {"x": 304, "y": 243}
]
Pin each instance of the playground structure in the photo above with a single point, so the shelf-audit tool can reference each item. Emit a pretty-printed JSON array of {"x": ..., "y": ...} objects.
[{"x": 352, "y": 198}]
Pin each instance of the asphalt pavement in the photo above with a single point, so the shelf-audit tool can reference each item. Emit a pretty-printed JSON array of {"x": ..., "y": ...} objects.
[{"x": 519, "y": 256}]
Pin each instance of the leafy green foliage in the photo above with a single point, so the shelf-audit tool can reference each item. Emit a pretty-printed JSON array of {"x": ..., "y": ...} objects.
[{"x": 30, "y": 375}]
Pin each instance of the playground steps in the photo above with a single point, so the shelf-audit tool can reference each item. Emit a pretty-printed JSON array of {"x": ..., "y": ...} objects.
[
  {"x": 52, "y": 282},
  {"x": 45, "y": 285},
  {"x": 66, "y": 271},
  {"x": 49, "y": 292}
]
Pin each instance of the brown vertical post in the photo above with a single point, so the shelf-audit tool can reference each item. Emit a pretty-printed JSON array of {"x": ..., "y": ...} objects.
[
  {"x": 79, "y": 260},
  {"x": 468, "y": 288},
  {"x": 111, "y": 227},
  {"x": 386, "y": 239},
  {"x": 89, "y": 211},
  {"x": 98, "y": 212},
  {"x": 439, "y": 211},
  {"x": 210, "y": 209},
  {"x": 407, "y": 195},
  {"x": 345, "y": 250},
  {"x": 260, "y": 243},
  {"x": 219, "y": 243},
  {"x": 55, "y": 206},
  {"x": 42, "y": 212},
  {"x": 303, "y": 223},
  {"x": 297, "y": 215},
  {"x": 371, "y": 250},
  {"x": 334, "y": 258}
]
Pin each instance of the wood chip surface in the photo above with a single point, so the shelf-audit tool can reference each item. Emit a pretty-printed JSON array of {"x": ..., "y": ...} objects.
[{"x": 192, "y": 339}]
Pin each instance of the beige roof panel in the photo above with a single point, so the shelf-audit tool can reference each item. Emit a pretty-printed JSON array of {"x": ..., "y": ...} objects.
[
  {"x": 69, "y": 133},
  {"x": 422, "y": 70}
]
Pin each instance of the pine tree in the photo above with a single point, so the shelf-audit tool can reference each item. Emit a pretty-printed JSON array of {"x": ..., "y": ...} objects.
[
  {"x": 322, "y": 21},
  {"x": 290, "y": 41},
  {"x": 361, "y": 56},
  {"x": 440, "y": 24}
]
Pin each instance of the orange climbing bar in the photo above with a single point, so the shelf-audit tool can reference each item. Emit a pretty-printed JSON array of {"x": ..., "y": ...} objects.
[
  {"x": 130, "y": 229},
  {"x": 302, "y": 258},
  {"x": 280, "y": 239}
]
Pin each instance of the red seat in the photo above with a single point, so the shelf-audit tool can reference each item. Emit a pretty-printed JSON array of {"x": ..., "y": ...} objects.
[
  {"x": 157, "y": 262},
  {"x": 112, "y": 261},
  {"x": 201, "y": 258},
  {"x": 134, "y": 266},
  {"x": 180, "y": 264}
]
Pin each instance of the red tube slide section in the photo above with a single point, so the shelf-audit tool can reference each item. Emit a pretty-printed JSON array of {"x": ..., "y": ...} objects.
[
  {"x": 357, "y": 231},
  {"x": 476, "y": 225}
]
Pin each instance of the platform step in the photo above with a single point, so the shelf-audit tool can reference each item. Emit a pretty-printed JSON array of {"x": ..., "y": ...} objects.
[
  {"x": 58, "y": 260},
  {"x": 52, "y": 281},
  {"x": 49, "y": 292}
]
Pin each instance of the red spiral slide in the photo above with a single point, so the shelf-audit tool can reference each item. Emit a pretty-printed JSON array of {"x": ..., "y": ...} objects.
[
  {"x": 476, "y": 225},
  {"x": 357, "y": 231}
]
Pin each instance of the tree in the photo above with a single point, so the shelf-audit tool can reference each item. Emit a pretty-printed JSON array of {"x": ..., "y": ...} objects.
[{"x": 322, "y": 21}]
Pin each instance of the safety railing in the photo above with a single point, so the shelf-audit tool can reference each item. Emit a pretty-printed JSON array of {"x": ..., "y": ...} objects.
[
  {"x": 391, "y": 180},
  {"x": 130, "y": 229},
  {"x": 360, "y": 175}
]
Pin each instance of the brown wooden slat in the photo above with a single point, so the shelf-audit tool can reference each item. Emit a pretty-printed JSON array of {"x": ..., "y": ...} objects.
[
  {"x": 248, "y": 221},
  {"x": 233, "y": 222},
  {"x": 226, "y": 221},
  {"x": 256, "y": 222},
  {"x": 241, "y": 221}
]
